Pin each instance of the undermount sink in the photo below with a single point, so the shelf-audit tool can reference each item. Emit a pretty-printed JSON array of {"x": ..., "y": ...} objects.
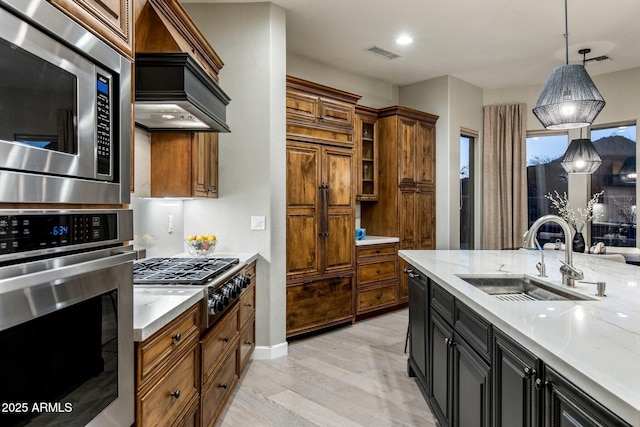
[{"x": 522, "y": 288}]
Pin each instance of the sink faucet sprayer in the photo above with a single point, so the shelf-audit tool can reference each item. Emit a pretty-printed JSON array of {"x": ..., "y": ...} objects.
[{"x": 569, "y": 273}]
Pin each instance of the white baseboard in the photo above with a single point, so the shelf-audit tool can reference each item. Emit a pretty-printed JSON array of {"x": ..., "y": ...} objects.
[{"x": 270, "y": 352}]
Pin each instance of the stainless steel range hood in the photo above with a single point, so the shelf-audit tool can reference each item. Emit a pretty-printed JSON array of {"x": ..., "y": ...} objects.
[{"x": 173, "y": 93}]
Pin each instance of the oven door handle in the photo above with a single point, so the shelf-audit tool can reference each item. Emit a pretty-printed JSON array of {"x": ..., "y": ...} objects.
[
  {"x": 65, "y": 272},
  {"x": 28, "y": 296}
]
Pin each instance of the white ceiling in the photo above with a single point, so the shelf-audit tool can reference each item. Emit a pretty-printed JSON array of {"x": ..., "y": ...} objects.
[{"x": 488, "y": 43}]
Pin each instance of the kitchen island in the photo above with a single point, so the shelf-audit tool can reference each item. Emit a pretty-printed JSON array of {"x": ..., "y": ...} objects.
[{"x": 594, "y": 344}]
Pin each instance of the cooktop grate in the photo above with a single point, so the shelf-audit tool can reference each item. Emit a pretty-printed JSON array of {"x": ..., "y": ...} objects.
[{"x": 184, "y": 271}]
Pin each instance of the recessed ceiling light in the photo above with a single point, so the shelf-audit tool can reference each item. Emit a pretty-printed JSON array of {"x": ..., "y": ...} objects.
[{"x": 404, "y": 40}]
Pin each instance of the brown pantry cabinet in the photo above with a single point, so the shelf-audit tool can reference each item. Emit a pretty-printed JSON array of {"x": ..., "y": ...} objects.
[
  {"x": 406, "y": 195},
  {"x": 184, "y": 164},
  {"x": 317, "y": 113},
  {"x": 320, "y": 200}
]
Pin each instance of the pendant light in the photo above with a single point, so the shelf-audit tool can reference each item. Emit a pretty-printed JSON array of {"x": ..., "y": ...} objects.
[
  {"x": 581, "y": 157},
  {"x": 570, "y": 99}
]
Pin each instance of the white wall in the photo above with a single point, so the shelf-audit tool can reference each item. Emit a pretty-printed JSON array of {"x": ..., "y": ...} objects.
[
  {"x": 250, "y": 39},
  {"x": 375, "y": 93}
]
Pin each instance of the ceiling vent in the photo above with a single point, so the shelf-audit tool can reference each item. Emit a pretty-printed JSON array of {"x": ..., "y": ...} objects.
[{"x": 378, "y": 51}]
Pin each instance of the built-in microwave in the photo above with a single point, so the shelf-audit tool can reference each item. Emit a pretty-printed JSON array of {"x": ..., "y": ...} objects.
[{"x": 65, "y": 110}]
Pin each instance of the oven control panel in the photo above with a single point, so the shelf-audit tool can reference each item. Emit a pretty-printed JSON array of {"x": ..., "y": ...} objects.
[{"x": 30, "y": 232}]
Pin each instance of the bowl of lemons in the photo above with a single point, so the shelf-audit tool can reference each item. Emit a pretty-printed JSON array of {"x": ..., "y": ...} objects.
[{"x": 201, "y": 245}]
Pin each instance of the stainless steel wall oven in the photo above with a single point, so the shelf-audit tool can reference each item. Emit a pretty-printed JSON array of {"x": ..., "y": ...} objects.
[
  {"x": 66, "y": 284},
  {"x": 65, "y": 110}
]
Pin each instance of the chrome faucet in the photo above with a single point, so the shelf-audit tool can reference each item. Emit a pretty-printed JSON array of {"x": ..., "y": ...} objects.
[{"x": 569, "y": 273}]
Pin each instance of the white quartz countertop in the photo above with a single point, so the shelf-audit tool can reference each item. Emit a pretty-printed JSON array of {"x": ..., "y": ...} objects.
[
  {"x": 156, "y": 306},
  {"x": 376, "y": 240},
  {"x": 595, "y": 344}
]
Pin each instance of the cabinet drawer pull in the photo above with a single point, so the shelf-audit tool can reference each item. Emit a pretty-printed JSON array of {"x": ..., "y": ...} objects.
[
  {"x": 249, "y": 342},
  {"x": 379, "y": 295},
  {"x": 224, "y": 386},
  {"x": 377, "y": 251},
  {"x": 176, "y": 337},
  {"x": 225, "y": 339},
  {"x": 176, "y": 394},
  {"x": 539, "y": 384},
  {"x": 248, "y": 304},
  {"x": 378, "y": 271}
]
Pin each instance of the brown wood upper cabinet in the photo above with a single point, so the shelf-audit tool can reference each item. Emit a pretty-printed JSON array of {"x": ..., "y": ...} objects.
[
  {"x": 317, "y": 113},
  {"x": 108, "y": 19},
  {"x": 367, "y": 153},
  {"x": 184, "y": 164}
]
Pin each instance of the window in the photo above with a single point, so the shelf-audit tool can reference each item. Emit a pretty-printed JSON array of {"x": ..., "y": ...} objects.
[
  {"x": 614, "y": 222},
  {"x": 466, "y": 191},
  {"x": 545, "y": 175}
]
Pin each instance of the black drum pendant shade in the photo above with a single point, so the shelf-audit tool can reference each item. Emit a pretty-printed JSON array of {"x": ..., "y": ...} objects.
[
  {"x": 569, "y": 100},
  {"x": 581, "y": 157}
]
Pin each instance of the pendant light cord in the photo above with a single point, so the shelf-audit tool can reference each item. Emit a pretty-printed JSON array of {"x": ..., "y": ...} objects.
[{"x": 566, "y": 32}]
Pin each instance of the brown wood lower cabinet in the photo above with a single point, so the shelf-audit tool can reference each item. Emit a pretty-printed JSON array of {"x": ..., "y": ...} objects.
[
  {"x": 319, "y": 304},
  {"x": 184, "y": 376},
  {"x": 377, "y": 280},
  {"x": 167, "y": 372}
]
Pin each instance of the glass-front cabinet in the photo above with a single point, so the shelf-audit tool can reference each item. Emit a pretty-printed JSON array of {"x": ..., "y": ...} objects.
[{"x": 367, "y": 140}]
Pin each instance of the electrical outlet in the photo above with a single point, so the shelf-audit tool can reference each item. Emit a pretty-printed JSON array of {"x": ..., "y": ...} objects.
[{"x": 258, "y": 222}]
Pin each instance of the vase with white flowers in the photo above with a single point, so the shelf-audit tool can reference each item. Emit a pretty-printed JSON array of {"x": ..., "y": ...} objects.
[{"x": 577, "y": 218}]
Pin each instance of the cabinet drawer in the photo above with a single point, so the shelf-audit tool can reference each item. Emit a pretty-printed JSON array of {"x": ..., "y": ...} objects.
[
  {"x": 301, "y": 106},
  {"x": 218, "y": 342},
  {"x": 163, "y": 403},
  {"x": 475, "y": 329},
  {"x": 377, "y": 250},
  {"x": 336, "y": 113},
  {"x": 378, "y": 297},
  {"x": 192, "y": 418},
  {"x": 442, "y": 302},
  {"x": 250, "y": 272},
  {"x": 369, "y": 273},
  {"x": 154, "y": 352},
  {"x": 219, "y": 390},
  {"x": 247, "y": 304},
  {"x": 319, "y": 304},
  {"x": 247, "y": 343}
]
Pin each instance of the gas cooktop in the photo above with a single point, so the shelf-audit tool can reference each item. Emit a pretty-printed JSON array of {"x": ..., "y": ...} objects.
[{"x": 180, "y": 271}]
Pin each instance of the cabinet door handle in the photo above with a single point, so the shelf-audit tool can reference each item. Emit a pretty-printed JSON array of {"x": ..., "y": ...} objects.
[
  {"x": 377, "y": 251},
  {"x": 176, "y": 337},
  {"x": 539, "y": 384},
  {"x": 529, "y": 372},
  {"x": 176, "y": 394},
  {"x": 378, "y": 271},
  {"x": 379, "y": 295},
  {"x": 249, "y": 342},
  {"x": 248, "y": 304},
  {"x": 225, "y": 339},
  {"x": 223, "y": 385}
]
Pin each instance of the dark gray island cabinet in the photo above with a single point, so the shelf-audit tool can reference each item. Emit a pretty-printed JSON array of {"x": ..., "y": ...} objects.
[{"x": 473, "y": 374}]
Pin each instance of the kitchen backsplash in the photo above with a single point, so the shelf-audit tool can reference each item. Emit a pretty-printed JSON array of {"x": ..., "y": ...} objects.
[{"x": 158, "y": 226}]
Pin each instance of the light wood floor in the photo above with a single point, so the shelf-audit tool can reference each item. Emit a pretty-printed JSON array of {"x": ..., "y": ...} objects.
[{"x": 351, "y": 376}]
